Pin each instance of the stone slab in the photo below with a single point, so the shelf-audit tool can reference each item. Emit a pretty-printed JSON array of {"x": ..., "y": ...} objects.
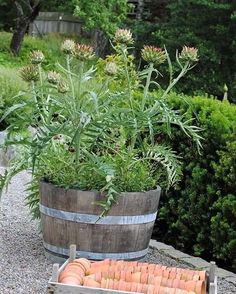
[
  {"x": 196, "y": 262},
  {"x": 220, "y": 272},
  {"x": 159, "y": 246},
  {"x": 176, "y": 254},
  {"x": 231, "y": 280}
]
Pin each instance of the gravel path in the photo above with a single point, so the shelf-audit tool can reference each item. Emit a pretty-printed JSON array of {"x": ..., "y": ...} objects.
[{"x": 23, "y": 266}]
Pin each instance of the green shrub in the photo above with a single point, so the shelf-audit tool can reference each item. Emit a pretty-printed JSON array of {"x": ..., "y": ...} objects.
[
  {"x": 198, "y": 216},
  {"x": 223, "y": 224},
  {"x": 223, "y": 229}
]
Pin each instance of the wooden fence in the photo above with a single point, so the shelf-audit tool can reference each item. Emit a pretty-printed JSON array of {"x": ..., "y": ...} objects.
[{"x": 55, "y": 22}]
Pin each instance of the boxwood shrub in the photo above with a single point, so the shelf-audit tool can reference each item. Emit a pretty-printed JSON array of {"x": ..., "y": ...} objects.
[{"x": 199, "y": 217}]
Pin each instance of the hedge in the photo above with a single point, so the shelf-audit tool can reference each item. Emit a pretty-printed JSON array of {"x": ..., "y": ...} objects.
[{"x": 199, "y": 217}]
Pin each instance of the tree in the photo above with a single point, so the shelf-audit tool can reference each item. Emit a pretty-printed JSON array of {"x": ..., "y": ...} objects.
[
  {"x": 103, "y": 16},
  {"x": 27, "y": 11}
]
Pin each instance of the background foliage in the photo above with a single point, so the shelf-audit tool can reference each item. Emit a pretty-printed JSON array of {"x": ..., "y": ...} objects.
[
  {"x": 208, "y": 25},
  {"x": 102, "y": 15}
]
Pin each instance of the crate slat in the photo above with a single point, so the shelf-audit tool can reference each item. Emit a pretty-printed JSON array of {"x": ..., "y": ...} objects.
[
  {"x": 212, "y": 272},
  {"x": 213, "y": 287},
  {"x": 72, "y": 252},
  {"x": 58, "y": 288},
  {"x": 55, "y": 272}
]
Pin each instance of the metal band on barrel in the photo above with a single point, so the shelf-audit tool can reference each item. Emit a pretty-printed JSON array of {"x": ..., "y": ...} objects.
[
  {"x": 96, "y": 255},
  {"x": 92, "y": 219}
]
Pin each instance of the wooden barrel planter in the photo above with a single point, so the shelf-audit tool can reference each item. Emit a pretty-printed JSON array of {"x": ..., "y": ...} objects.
[{"x": 69, "y": 216}]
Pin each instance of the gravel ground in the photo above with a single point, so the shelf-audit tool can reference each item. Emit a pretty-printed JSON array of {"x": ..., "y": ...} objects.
[{"x": 23, "y": 266}]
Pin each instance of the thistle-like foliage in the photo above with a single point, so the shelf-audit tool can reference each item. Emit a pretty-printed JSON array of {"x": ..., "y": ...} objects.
[
  {"x": 53, "y": 77},
  {"x": 93, "y": 135},
  {"x": 123, "y": 37},
  {"x": 29, "y": 73},
  {"x": 153, "y": 54},
  {"x": 167, "y": 158},
  {"x": 189, "y": 54},
  {"x": 111, "y": 68},
  {"x": 83, "y": 52},
  {"x": 62, "y": 87},
  {"x": 68, "y": 46},
  {"x": 36, "y": 57}
]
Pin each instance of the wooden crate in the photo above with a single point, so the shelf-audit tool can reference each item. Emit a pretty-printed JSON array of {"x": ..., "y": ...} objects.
[{"x": 58, "y": 288}]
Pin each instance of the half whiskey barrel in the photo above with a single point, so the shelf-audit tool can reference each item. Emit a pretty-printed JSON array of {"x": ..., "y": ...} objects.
[{"x": 71, "y": 216}]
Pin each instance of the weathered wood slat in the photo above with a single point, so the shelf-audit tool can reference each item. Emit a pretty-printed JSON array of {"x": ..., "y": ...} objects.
[
  {"x": 71, "y": 217},
  {"x": 212, "y": 272},
  {"x": 95, "y": 237},
  {"x": 72, "y": 200},
  {"x": 72, "y": 254},
  {"x": 56, "y": 288},
  {"x": 55, "y": 273},
  {"x": 213, "y": 287}
]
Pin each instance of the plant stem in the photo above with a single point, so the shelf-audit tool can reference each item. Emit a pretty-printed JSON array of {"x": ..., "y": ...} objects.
[
  {"x": 41, "y": 89},
  {"x": 34, "y": 94},
  {"x": 148, "y": 80},
  {"x": 174, "y": 81},
  {"x": 36, "y": 101},
  {"x": 124, "y": 54},
  {"x": 74, "y": 108},
  {"x": 40, "y": 75},
  {"x": 123, "y": 50},
  {"x": 78, "y": 105},
  {"x": 77, "y": 143},
  {"x": 81, "y": 71},
  {"x": 77, "y": 149},
  {"x": 70, "y": 76}
]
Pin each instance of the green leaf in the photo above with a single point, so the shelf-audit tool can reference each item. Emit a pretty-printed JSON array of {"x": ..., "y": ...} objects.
[{"x": 12, "y": 109}]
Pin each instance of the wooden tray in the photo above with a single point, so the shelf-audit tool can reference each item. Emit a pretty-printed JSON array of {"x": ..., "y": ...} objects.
[{"x": 58, "y": 288}]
